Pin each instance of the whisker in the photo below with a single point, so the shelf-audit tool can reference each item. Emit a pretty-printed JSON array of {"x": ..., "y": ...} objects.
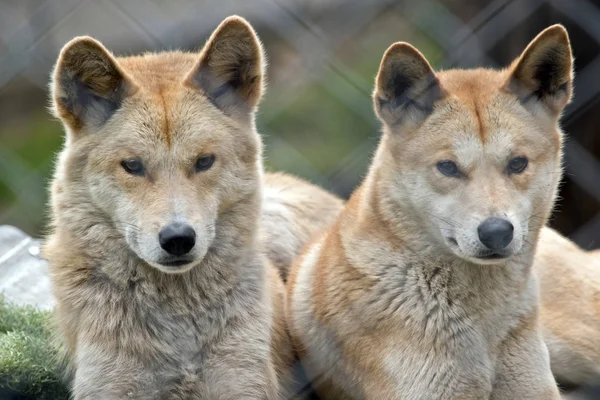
[
  {"x": 127, "y": 225},
  {"x": 450, "y": 222}
]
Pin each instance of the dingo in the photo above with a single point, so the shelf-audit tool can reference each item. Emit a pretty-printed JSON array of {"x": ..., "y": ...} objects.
[
  {"x": 162, "y": 287},
  {"x": 423, "y": 288}
]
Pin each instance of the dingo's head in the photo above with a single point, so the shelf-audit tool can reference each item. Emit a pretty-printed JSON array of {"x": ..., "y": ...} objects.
[
  {"x": 162, "y": 144},
  {"x": 475, "y": 154}
]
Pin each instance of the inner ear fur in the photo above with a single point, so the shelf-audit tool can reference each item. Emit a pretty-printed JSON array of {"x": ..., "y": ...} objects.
[
  {"x": 88, "y": 84},
  {"x": 231, "y": 67},
  {"x": 544, "y": 71},
  {"x": 406, "y": 86}
]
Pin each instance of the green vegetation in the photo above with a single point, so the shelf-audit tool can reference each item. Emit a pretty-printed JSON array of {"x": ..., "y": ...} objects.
[
  {"x": 28, "y": 368},
  {"x": 27, "y": 151}
]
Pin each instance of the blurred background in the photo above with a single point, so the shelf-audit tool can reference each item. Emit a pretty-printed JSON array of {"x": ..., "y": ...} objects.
[{"x": 316, "y": 119}]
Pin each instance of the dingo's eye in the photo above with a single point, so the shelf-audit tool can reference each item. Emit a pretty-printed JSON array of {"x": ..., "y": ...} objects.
[
  {"x": 517, "y": 165},
  {"x": 449, "y": 169},
  {"x": 133, "y": 167},
  {"x": 205, "y": 162}
]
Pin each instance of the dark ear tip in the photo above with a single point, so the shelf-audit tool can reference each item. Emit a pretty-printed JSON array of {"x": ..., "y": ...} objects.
[
  {"x": 405, "y": 53},
  {"x": 77, "y": 48},
  {"x": 406, "y": 57},
  {"x": 235, "y": 23},
  {"x": 80, "y": 43},
  {"x": 556, "y": 33},
  {"x": 238, "y": 29},
  {"x": 399, "y": 49},
  {"x": 556, "y": 29},
  {"x": 235, "y": 19}
]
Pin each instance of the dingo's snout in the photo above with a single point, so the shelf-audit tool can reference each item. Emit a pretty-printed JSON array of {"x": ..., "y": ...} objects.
[
  {"x": 495, "y": 233},
  {"x": 177, "y": 239}
]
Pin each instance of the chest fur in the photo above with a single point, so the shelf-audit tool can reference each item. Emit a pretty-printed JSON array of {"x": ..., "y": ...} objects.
[
  {"x": 146, "y": 321},
  {"x": 442, "y": 327}
]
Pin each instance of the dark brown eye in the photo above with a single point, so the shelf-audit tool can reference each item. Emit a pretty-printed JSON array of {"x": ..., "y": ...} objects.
[
  {"x": 205, "y": 162},
  {"x": 133, "y": 167},
  {"x": 449, "y": 169},
  {"x": 517, "y": 165}
]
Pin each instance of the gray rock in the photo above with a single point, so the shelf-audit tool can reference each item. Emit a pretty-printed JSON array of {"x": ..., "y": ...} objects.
[{"x": 23, "y": 274}]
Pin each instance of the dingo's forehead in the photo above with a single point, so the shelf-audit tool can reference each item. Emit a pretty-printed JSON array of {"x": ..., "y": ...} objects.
[
  {"x": 471, "y": 85},
  {"x": 477, "y": 119},
  {"x": 475, "y": 97},
  {"x": 158, "y": 72},
  {"x": 165, "y": 107},
  {"x": 477, "y": 109}
]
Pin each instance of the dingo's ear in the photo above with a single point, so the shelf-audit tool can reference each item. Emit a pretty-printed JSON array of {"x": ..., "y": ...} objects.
[
  {"x": 544, "y": 72},
  {"x": 406, "y": 86},
  {"x": 230, "y": 70},
  {"x": 88, "y": 86}
]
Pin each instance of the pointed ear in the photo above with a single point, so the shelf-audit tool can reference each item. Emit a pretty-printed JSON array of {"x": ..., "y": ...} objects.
[
  {"x": 406, "y": 86},
  {"x": 230, "y": 70},
  {"x": 88, "y": 85},
  {"x": 543, "y": 74}
]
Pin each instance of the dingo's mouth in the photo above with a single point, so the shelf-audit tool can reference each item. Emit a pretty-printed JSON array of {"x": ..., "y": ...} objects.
[
  {"x": 485, "y": 257},
  {"x": 493, "y": 256},
  {"x": 176, "y": 263},
  {"x": 452, "y": 241}
]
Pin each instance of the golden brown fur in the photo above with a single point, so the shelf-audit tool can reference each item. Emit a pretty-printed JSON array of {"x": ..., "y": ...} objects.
[
  {"x": 293, "y": 211},
  {"x": 401, "y": 298},
  {"x": 569, "y": 307},
  {"x": 161, "y": 141}
]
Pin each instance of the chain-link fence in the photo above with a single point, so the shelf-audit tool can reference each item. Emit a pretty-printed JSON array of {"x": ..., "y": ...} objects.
[{"x": 317, "y": 119}]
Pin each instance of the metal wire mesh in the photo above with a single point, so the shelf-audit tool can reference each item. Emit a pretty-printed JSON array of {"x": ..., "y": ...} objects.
[{"x": 317, "y": 119}]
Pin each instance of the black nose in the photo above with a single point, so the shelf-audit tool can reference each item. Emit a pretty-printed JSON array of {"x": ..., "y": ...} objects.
[
  {"x": 495, "y": 233},
  {"x": 177, "y": 239}
]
